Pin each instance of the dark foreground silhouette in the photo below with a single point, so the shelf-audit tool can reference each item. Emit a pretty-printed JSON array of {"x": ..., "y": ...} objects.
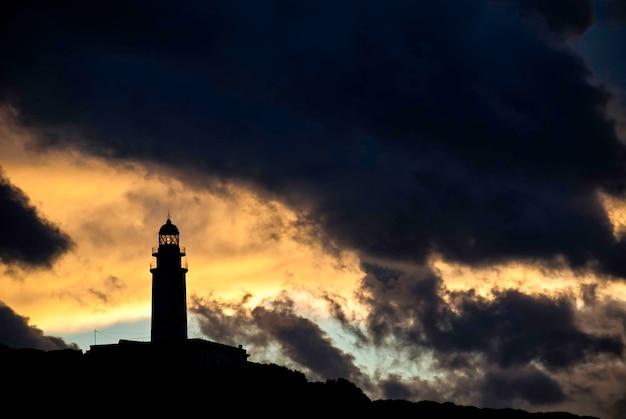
[{"x": 68, "y": 382}]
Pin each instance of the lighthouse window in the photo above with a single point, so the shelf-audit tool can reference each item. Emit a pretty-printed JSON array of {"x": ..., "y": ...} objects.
[{"x": 168, "y": 239}]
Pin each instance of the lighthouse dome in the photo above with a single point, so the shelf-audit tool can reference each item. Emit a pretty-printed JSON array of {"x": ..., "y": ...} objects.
[{"x": 168, "y": 229}]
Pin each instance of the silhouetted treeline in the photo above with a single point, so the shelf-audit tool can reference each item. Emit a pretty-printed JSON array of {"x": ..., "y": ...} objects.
[{"x": 68, "y": 382}]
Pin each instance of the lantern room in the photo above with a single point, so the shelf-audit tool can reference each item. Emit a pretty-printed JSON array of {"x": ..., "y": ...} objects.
[{"x": 168, "y": 234}]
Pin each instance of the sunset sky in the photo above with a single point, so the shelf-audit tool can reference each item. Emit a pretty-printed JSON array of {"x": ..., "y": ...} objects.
[{"x": 425, "y": 198}]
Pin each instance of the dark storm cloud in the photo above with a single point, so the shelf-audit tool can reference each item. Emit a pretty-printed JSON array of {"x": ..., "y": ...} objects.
[
  {"x": 398, "y": 128},
  {"x": 616, "y": 11},
  {"x": 16, "y": 332},
  {"x": 570, "y": 17},
  {"x": 512, "y": 329},
  {"x": 27, "y": 238},
  {"x": 394, "y": 388},
  {"x": 215, "y": 323},
  {"x": 535, "y": 387},
  {"x": 300, "y": 340},
  {"x": 304, "y": 342}
]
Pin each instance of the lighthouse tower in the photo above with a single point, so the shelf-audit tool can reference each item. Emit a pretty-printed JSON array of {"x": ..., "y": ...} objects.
[{"x": 169, "y": 295}]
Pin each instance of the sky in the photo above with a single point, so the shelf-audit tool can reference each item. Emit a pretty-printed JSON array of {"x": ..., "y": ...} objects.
[{"x": 425, "y": 198}]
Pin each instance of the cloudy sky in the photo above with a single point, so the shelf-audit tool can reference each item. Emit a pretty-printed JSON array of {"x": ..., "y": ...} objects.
[{"x": 425, "y": 198}]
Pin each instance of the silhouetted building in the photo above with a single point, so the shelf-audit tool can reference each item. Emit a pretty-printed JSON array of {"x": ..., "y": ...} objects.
[{"x": 169, "y": 345}]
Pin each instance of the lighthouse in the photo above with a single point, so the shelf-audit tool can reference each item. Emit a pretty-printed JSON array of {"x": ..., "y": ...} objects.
[
  {"x": 169, "y": 295},
  {"x": 169, "y": 348}
]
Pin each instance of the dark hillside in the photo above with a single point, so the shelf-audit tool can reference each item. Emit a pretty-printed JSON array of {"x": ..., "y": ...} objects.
[{"x": 68, "y": 383}]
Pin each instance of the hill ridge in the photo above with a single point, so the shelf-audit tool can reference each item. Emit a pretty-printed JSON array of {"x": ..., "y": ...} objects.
[{"x": 68, "y": 375}]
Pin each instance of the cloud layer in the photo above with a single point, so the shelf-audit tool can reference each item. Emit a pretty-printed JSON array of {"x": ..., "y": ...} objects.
[
  {"x": 400, "y": 130},
  {"x": 511, "y": 348}
]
